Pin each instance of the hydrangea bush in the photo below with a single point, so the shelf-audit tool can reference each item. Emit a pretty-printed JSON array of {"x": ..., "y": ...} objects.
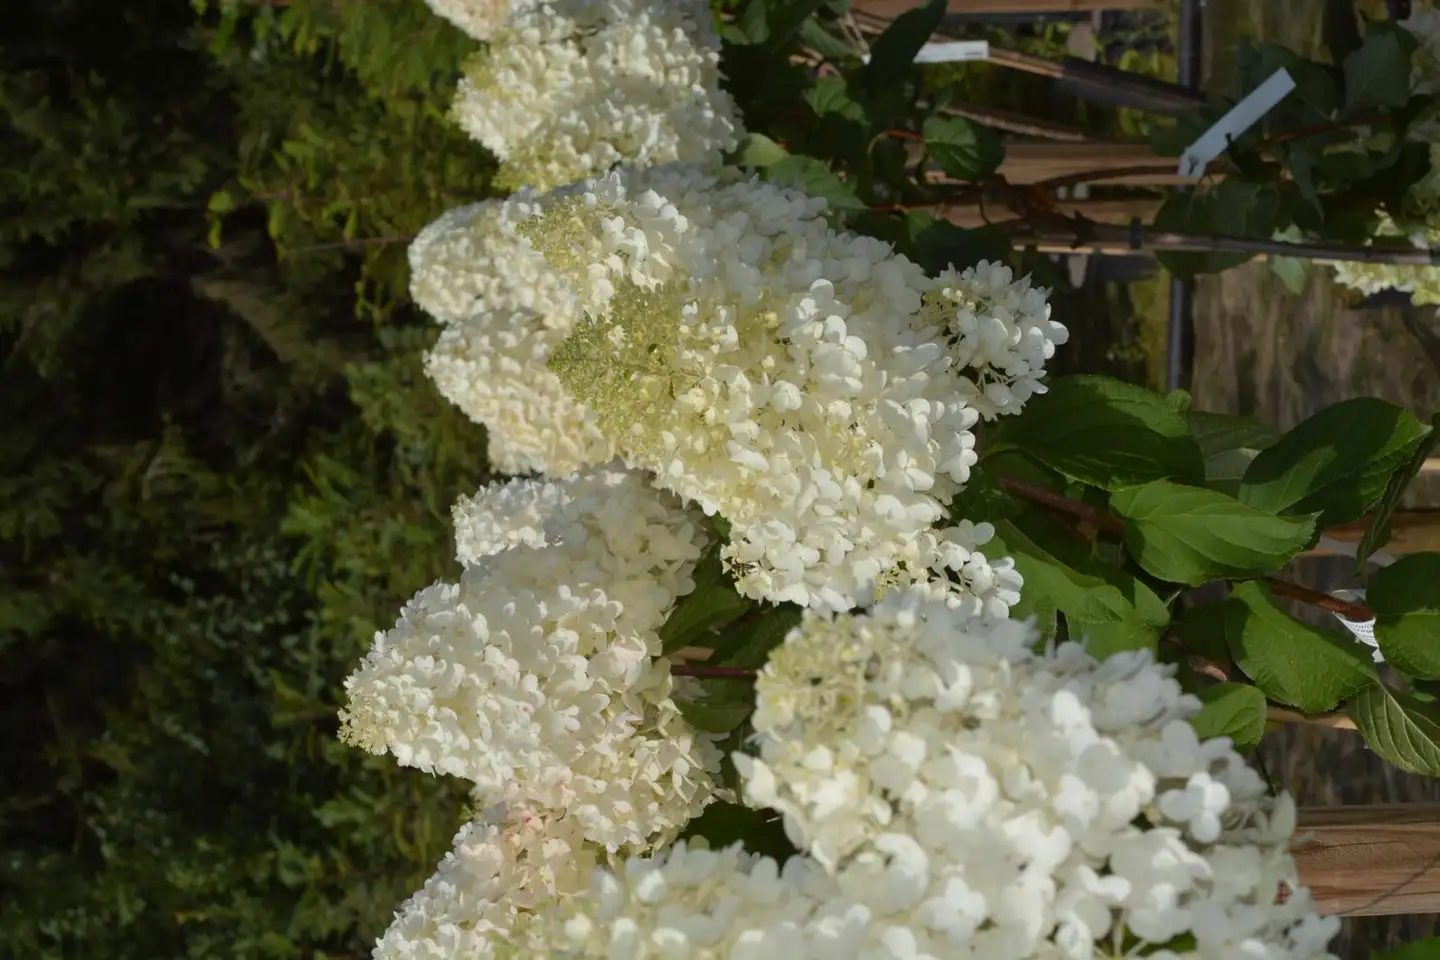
[{"x": 810, "y": 540}]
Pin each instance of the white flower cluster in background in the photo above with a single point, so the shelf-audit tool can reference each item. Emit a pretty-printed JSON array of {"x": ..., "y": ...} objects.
[
  {"x": 503, "y": 311},
  {"x": 476, "y": 18},
  {"x": 569, "y": 88},
  {"x": 958, "y": 795},
  {"x": 782, "y": 374},
  {"x": 485, "y": 892},
  {"x": 1001, "y": 332},
  {"x": 1422, "y": 283},
  {"x": 536, "y": 676}
]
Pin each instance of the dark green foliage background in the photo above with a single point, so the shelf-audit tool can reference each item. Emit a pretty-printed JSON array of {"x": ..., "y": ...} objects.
[{"x": 221, "y": 467}]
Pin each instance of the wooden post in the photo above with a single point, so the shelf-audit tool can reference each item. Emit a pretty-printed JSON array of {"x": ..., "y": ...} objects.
[
  {"x": 1034, "y": 162},
  {"x": 890, "y": 9},
  {"x": 1102, "y": 211},
  {"x": 1411, "y": 531},
  {"x": 1372, "y": 861}
]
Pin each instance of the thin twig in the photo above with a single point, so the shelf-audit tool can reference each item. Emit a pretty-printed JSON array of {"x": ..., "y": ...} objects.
[
  {"x": 1335, "y": 721},
  {"x": 697, "y": 670},
  {"x": 1345, "y": 608}
]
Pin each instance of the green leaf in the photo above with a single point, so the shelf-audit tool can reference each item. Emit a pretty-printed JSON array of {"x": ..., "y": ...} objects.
[
  {"x": 750, "y": 645},
  {"x": 786, "y": 17},
  {"x": 964, "y": 150},
  {"x": 1179, "y": 401},
  {"x": 1378, "y": 74},
  {"x": 758, "y": 150},
  {"x": 1107, "y": 606},
  {"x": 1235, "y": 208},
  {"x": 1406, "y": 599},
  {"x": 1193, "y": 535},
  {"x": 761, "y": 831},
  {"x": 816, "y": 179},
  {"x": 721, "y": 706},
  {"x": 1427, "y": 949},
  {"x": 1204, "y": 631},
  {"x": 712, "y": 604},
  {"x": 1228, "y": 444},
  {"x": 831, "y": 95},
  {"x": 1377, "y": 531},
  {"x": 825, "y": 43},
  {"x": 1234, "y": 710},
  {"x": 892, "y": 55},
  {"x": 1291, "y": 662},
  {"x": 1402, "y": 729},
  {"x": 1292, "y": 272},
  {"x": 1335, "y": 463},
  {"x": 1106, "y": 433},
  {"x": 939, "y": 243}
]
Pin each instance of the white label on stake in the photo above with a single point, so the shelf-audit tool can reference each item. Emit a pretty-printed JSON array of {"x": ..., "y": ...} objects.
[
  {"x": 1241, "y": 117},
  {"x": 951, "y": 52}
]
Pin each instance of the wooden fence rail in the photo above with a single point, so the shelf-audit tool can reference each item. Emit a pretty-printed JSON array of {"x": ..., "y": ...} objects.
[{"x": 1371, "y": 861}]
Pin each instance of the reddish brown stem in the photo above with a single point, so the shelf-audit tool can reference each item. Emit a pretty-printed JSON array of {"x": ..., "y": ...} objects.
[
  {"x": 1346, "y": 608},
  {"x": 704, "y": 672}
]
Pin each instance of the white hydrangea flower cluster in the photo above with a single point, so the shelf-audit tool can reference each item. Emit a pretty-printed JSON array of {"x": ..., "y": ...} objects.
[
  {"x": 476, "y": 18},
  {"x": 536, "y": 676},
  {"x": 485, "y": 893},
  {"x": 785, "y": 375},
  {"x": 569, "y": 88},
  {"x": 503, "y": 311},
  {"x": 959, "y": 795},
  {"x": 1422, "y": 229},
  {"x": 1001, "y": 332},
  {"x": 1422, "y": 283}
]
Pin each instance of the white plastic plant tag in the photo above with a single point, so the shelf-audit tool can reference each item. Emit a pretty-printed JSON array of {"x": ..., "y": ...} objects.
[
  {"x": 952, "y": 52},
  {"x": 1241, "y": 117}
]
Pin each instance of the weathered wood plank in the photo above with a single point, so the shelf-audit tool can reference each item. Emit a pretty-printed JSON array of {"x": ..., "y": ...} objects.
[{"x": 1372, "y": 860}]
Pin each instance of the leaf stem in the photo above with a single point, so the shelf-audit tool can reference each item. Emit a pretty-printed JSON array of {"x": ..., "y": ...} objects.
[{"x": 1335, "y": 720}]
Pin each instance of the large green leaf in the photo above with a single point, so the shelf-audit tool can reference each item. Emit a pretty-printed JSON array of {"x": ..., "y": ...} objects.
[
  {"x": 749, "y": 646},
  {"x": 720, "y": 706},
  {"x": 712, "y": 604},
  {"x": 1378, "y": 74},
  {"x": 815, "y": 178},
  {"x": 758, "y": 150},
  {"x": 1406, "y": 601},
  {"x": 1106, "y": 433},
  {"x": 1289, "y": 661},
  {"x": 893, "y": 52},
  {"x": 964, "y": 150},
  {"x": 1192, "y": 535},
  {"x": 1335, "y": 463},
  {"x": 1228, "y": 444},
  {"x": 1402, "y": 729},
  {"x": 1377, "y": 531},
  {"x": 1427, "y": 949},
  {"x": 1234, "y": 710},
  {"x": 1106, "y": 606}
]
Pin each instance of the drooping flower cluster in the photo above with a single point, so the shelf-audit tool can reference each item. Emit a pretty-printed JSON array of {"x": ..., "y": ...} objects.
[
  {"x": 536, "y": 678},
  {"x": 788, "y": 376},
  {"x": 504, "y": 310},
  {"x": 959, "y": 795},
  {"x": 476, "y": 18},
  {"x": 570, "y": 88},
  {"x": 482, "y": 898}
]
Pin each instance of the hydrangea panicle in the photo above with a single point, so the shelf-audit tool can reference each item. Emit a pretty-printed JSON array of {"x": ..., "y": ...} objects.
[
  {"x": 779, "y": 373},
  {"x": 536, "y": 676},
  {"x": 570, "y": 88}
]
